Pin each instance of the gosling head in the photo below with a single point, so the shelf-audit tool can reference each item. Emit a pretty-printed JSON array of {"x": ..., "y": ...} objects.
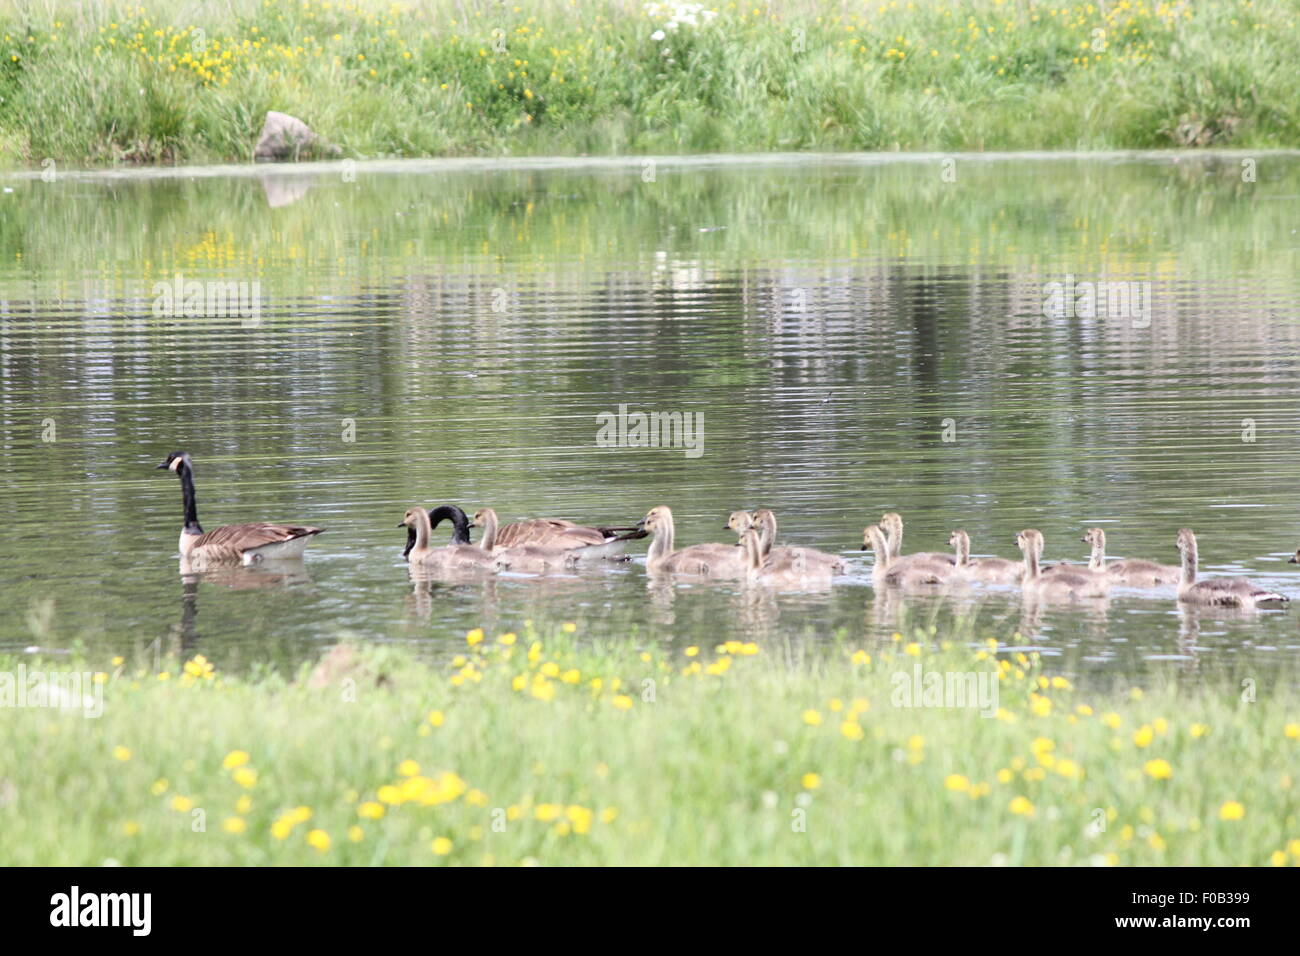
[
  {"x": 1186, "y": 540},
  {"x": 657, "y": 519},
  {"x": 959, "y": 538},
  {"x": 1030, "y": 539},
  {"x": 891, "y": 521},
  {"x": 1094, "y": 537},
  {"x": 873, "y": 539},
  {"x": 482, "y": 516},
  {"x": 411, "y": 518},
  {"x": 739, "y": 522}
]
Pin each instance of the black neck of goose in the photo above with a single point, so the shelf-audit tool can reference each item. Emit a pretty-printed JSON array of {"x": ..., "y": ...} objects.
[
  {"x": 458, "y": 519},
  {"x": 187, "y": 497}
]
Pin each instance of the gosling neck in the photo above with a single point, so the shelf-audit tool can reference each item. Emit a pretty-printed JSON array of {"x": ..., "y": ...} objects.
[
  {"x": 422, "y": 531},
  {"x": 1097, "y": 562},
  {"x": 1032, "y": 554},
  {"x": 1188, "y": 576},
  {"x": 488, "y": 540},
  {"x": 766, "y": 532},
  {"x": 962, "y": 547},
  {"x": 661, "y": 546}
]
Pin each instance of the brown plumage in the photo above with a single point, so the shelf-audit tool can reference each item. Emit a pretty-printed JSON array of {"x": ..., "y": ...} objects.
[
  {"x": 530, "y": 558},
  {"x": 587, "y": 541},
  {"x": 703, "y": 560},
  {"x": 764, "y": 520},
  {"x": 987, "y": 570},
  {"x": 233, "y": 543},
  {"x": 1222, "y": 592},
  {"x": 791, "y": 569},
  {"x": 1063, "y": 583},
  {"x": 886, "y": 570},
  {"x": 1134, "y": 573}
]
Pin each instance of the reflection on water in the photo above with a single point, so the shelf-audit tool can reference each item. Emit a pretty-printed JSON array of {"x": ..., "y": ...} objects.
[{"x": 857, "y": 337}]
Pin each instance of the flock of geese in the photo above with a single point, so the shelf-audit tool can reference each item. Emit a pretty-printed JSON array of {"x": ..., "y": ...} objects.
[{"x": 544, "y": 545}]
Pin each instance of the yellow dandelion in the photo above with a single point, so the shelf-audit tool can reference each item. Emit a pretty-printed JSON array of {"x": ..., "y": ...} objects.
[
  {"x": 318, "y": 839},
  {"x": 236, "y": 758},
  {"x": 1232, "y": 810}
]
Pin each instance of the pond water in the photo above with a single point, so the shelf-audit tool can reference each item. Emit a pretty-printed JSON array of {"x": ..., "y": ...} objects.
[{"x": 859, "y": 334}]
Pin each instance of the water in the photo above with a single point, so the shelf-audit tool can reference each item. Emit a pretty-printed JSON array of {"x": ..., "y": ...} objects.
[{"x": 860, "y": 334}]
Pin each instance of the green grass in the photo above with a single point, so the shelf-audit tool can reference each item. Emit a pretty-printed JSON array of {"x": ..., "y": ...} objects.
[
  {"x": 779, "y": 754},
  {"x": 155, "y": 82}
]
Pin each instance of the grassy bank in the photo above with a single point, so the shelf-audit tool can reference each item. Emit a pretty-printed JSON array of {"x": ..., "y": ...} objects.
[
  {"x": 152, "y": 82},
  {"x": 546, "y": 748}
]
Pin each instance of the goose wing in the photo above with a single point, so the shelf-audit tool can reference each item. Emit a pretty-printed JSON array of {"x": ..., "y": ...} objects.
[
  {"x": 547, "y": 533},
  {"x": 232, "y": 540}
]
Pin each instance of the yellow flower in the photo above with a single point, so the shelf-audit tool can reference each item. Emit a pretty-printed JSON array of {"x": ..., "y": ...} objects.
[
  {"x": 121, "y": 753},
  {"x": 408, "y": 768},
  {"x": 318, "y": 839},
  {"x": 1231, "y": 810},
  {"x": 610, "y": 814},
  {"x": 812, "y": 718},
  {"x": 356, "y": 834},
  {"x": 436, "y": 718},
  {"x": 1199, "y": 730},
  {"x": 692, "y": 651},
  {"x": 860, "y": 658},
  {"x": 370, "y": 810},
  {"x": 1021, "y": 806},
  {"x": 1292, "y": 731},
  {"x": 1143, "y": 736},
  {"x": 1113, "y": 721},
  {"x": 623, "y": 702},
  {"x": 811, "y": 781},
  {"x": 474, "y": 637},
  {"x": 245, "y": 776},
  {"x": 546, "y": 812},
  {"x": 234, "y": 825},
  {"x": 441, "y": 846},
  {"x": 912, "y": 650},
  {"x": 1159, "y": 769},
  {"x": 281, "y": 828},
  {"x": 130, "y": 828},
  {"x": 508, "y": 639},
  {"x": 568, "y": 627},
  {"x": 956, "y": 782},
  {"x": 182, "y": 804},
  {"x": 158, "y": 787},
  {"x": 236, "y": 758},
  {"x": 1278, "y": 858},
  {"x": 244, "y": 804},
  {"x": 852, "y": 730},
  {"x": 580, "y": 817}
]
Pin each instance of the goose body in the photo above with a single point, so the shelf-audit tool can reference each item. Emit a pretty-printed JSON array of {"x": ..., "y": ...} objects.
[
  {"x": 986, "y": 570},
  {"x": 456, "y": 556},
  {"x": 1134, "y": 573},
  {"x": 1233, "y": 591},
  {"x": 1064, "y": 583},
  {"x": 233, "y": 543},
  {"x": 587, "y": 543},
  {"x": 528, "y": 558},
  {"x": 886, "y": 570},
  {"x": 702, "y": 560},
  {"x": 791, "y": 570},
  {"x": 765, "y": 524}
]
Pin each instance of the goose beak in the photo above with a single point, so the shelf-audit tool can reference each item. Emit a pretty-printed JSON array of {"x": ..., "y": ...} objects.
[
  {"x": 162, "y": 467},
  {"x": 1294, "y": 559},
  {"x": 401, "y": 524}
]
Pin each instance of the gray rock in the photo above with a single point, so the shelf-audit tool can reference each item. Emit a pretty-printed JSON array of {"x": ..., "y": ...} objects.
[{"x": 287, "y": 137}]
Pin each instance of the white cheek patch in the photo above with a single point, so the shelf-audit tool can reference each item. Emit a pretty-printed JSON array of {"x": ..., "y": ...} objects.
[{"x": 176, "y": 463}]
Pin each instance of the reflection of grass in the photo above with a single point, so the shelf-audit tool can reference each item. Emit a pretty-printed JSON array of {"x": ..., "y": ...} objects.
[
  {"x": 532, "y": 747},
  {"x": 134, "y": 83}
]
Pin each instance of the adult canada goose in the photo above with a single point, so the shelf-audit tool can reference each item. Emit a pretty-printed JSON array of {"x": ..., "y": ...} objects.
[
  {"x": 589, "y": 543},
  {"x": 1222, "y": 592},
  {"x": 1134, "y": 573},
  {"x": 764, "y": 521},
  {"x": 892, "y": 522},
  {"x": 242, "y": 543},
  {"x": 791, "y": 570},
  {"x": 707, "y": 560},
  {"x": 987, "y": 570},
  {"x": 1063, "y": 583},
  {"x": 456, "y": 556},
  {"x": 531, "y": 558},
  {"x": 886, "y": 570}
]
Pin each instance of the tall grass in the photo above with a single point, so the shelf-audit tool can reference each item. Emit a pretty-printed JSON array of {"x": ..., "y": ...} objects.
[
  {"x": 154, "y": 82},
  {"x": 545, "y": 747}
]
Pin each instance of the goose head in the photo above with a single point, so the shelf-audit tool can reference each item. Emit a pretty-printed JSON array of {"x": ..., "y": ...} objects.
[
  {"x": 483, "y": 516},
  {"x": 175, "y": 461},
  {"x": 411, "y": 518},
  {"x": 1095, "y": 537},
  {"x": 873, "y": 539},
  {"x": 1186, "y": 541},
  {"x": 959, "y": 538}
]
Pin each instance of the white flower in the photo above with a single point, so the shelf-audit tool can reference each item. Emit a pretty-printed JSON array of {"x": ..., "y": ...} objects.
[{"x": 657, "y": 35}]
